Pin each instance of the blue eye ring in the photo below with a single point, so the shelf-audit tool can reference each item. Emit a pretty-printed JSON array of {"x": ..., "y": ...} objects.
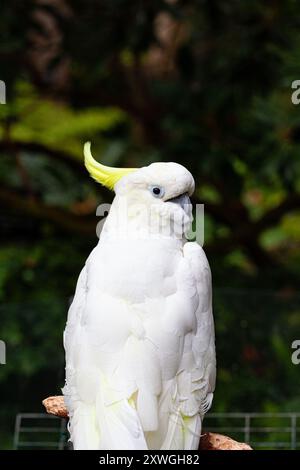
[{"x": 157, "y": 191}]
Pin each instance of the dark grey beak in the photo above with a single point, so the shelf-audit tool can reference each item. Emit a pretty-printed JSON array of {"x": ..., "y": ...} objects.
[{"x": 183, "y": 200}]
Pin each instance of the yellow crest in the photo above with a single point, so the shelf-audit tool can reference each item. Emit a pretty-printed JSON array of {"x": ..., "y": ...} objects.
[{"x": 106, "y": 175}]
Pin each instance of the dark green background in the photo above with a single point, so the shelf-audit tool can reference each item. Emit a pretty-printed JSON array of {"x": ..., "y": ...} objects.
[{"x": 203, "y": 83}]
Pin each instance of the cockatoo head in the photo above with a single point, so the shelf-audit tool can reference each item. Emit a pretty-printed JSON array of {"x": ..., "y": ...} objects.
[{"x": 153, "y": 198}]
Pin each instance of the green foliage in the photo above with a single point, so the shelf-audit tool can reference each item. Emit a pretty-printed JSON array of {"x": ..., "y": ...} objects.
[{"x": 204, "y": 83}]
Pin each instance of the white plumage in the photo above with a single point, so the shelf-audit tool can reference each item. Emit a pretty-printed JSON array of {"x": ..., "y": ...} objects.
[{"x": 139, "y": 340}]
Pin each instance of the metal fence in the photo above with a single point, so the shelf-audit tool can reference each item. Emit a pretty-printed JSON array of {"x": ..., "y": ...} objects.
[
  {"x": 260, "y": 430},
  {"x": 40, "y": 431}
]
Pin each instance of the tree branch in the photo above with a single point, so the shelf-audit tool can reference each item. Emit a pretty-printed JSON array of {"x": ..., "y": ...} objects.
[
  {"x": 36, "y": 148},
  {"x": 273, "y": 216},
  {"x": 85, "y": 225},
  {"x": 244, "y": 232},
  {"x": 55, "y": 405}
]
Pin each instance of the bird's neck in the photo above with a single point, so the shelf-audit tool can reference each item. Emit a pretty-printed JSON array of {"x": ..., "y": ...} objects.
[{"x": 139, "y": 222}]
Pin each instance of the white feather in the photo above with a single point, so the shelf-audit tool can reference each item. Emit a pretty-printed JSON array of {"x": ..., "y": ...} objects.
[{"x": 139, "y": 340}]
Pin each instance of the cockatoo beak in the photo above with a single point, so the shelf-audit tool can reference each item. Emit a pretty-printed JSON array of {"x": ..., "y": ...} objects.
[{"x": 183, "y": 200}]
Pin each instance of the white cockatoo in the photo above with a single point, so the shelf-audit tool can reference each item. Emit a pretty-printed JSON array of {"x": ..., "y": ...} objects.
[{"x": 139, "y": 339}]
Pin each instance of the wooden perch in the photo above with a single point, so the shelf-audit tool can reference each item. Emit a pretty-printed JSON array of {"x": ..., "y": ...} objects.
[
  {"x": 212, "y": 441},
  {"x": 56, "y": 406},
  {"x": 209, "y": 441}
]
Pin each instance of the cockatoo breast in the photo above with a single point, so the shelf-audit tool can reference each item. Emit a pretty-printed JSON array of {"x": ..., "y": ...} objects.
[{"x": 135, "y": 269}]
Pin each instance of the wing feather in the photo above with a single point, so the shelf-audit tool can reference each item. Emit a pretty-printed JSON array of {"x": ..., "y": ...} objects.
[{"x": 202, "y": 374}]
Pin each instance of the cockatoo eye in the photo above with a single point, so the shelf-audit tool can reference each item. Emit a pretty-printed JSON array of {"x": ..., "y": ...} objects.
[{"x": 157, "y": 191}]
